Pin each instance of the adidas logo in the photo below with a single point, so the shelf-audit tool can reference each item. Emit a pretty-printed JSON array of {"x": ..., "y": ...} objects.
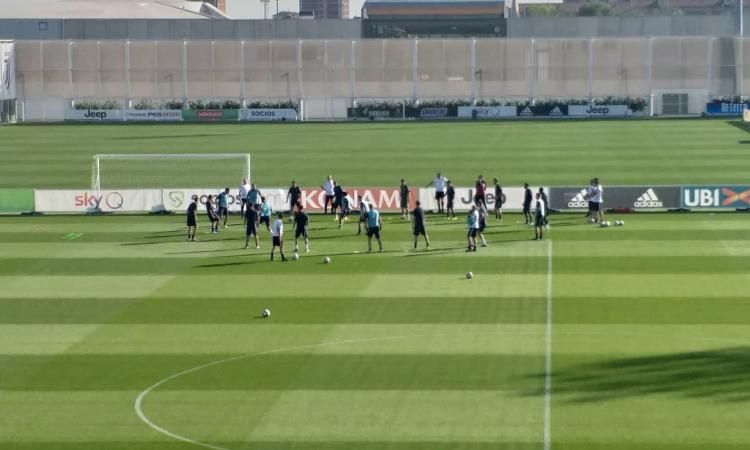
[
  {"x": 579, "y": 201},
  {"x": 648, "y": 200},
  {"x": 526, "y": 112},
  {"x": 556, "y": 111}
]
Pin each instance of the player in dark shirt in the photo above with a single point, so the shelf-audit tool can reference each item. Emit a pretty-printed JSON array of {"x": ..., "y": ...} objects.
[
  {"x": 480, "y": 190},
  {"x": 252, "y": 222},
  {"x": 499, "y": 200},
  {"x": 451, "y": 194},
  {"x": 419, "y": 225},
  {"x": 293, "y": 197},
  {"x": 211, "y": 213},
  {"x": 338, "y": 195},
  {"x": 527, "y": 197},
  {"x": 300, "y": 228},
  {"x": 192, "y": 219},
  {"x": 404, "y": 199}
]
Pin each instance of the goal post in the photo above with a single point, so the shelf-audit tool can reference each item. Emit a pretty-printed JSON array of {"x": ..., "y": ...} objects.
[{"x": 165, "y": 170}]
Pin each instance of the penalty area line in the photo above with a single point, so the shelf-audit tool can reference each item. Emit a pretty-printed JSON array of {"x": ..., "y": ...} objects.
[{"x": 548, "y": 355}]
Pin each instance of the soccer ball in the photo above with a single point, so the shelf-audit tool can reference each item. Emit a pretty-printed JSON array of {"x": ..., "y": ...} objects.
[
  {"x": 266, "y": 313},
  {"x": 592, "y": 220},
  {"x": 622, "y": 222},
  {"x": 469, "y": 275},
  {"x": 295, "y": 256},
  {"x": 326, "y": 260},
  {"x": 604, "y": 224}
]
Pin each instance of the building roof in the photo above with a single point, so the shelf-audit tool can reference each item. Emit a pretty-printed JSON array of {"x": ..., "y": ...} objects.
[
  {"x": 432, "y": 8},
  {"x": 104, "y": 9}
]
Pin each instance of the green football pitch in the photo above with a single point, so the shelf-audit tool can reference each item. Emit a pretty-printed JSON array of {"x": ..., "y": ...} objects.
[{"x": 116, "y": 333}]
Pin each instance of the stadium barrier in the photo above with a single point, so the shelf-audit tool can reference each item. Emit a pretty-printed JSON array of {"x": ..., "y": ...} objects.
[
  {"x": 465, "y": 198},
  {"x": 387, "y": 199},
  {"x": 721, "y": 108},
  {"x": 16, "y": 201},
  {"x": 177, "y": 115},
  {"x": 403, "y": 111},
  {"x": 716, "y": 197},
  {"x": 643, "y": 197}
]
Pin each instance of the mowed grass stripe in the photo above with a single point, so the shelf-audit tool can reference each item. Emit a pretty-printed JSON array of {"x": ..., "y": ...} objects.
[
  {"x": 443, "y": 264},
  {"x": 292, "y": 371},
  {"x": 271, "y": 286},
  {"x": 300, "y": 310},
  {"x": 608, "y": 308},
  {"x": 223, "y": 339},
  {"x": 506, "y": 249},
  {"x": 277, "y": 285}
]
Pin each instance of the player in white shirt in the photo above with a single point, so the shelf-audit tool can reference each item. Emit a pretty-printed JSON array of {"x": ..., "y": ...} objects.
[
  {"x": 596, "y": 196},
  {"x": 472, "y": 223},
  {"x": 328, "y": 186},
  {"x": 539, "y": 217},
  {"x": 440, "y": 183},
  {"x": 244, "y": 189},
  {"x": 277, "y": 235}
]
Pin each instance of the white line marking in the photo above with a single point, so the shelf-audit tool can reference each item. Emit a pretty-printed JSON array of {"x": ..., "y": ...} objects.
[
  {"x": 548, "y": 355},
  {"x": 145, "y": 419}
]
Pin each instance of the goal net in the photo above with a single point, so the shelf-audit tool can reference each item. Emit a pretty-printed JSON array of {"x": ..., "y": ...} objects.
[{"x": 157, "y": 171}]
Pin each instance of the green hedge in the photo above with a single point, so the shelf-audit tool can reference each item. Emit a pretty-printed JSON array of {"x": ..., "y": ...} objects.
[{"x": 16, "y": 200}]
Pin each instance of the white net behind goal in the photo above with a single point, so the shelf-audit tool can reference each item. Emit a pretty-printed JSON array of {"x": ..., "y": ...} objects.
[{"x": 157, "y": 171}]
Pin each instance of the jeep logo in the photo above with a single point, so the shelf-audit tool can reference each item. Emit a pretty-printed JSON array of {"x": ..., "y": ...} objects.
[
  {"x": 101, "y": 115},
  {"x": 603, "y": 111}
]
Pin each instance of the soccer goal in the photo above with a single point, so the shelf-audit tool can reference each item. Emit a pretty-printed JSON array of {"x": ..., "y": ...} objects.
[{"x": 158, "y": 171}]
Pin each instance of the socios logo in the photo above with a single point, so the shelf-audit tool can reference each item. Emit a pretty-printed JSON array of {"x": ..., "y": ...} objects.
[
  {"x": 114, "y": 200},
  {"x": 177, "y": 198}
]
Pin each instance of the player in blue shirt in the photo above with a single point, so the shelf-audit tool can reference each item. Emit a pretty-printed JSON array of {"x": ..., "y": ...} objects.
[
  {"x": 374, "y": 224},
  {"x": 223, "y": 204},
  {"x": 265, "y": 213}
]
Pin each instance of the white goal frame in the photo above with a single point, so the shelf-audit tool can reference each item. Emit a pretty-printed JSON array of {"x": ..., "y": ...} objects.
[{"x": 96, "y": 174}]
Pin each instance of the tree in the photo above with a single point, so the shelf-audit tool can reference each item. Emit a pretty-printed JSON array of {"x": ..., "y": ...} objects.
[{"x": 595, "y": 8}]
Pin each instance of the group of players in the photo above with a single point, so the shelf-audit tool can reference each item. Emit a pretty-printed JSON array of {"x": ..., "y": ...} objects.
[{"x": 256, "y": 211}]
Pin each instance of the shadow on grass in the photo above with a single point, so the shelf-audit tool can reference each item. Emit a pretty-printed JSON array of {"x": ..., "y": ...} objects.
[{"x": 718, "y": 375}]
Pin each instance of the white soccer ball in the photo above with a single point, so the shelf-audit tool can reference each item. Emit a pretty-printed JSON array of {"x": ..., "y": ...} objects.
[
  {"x": 604, "y": 224},
  {"x": 326, "y": 260},
  {"x": 266, "y": 313},
  {"x": 295, "y": 256},
  {"x": 592, "y": 220},
  {"x": 469, "y": 275},
  {"x": 622, "y": 222}
]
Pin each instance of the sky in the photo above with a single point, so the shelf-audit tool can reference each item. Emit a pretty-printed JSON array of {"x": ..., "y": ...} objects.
[{"x": 253, "y": 9}]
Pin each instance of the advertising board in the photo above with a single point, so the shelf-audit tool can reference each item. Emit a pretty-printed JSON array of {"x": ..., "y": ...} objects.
[{"x": 617, "y": 197}]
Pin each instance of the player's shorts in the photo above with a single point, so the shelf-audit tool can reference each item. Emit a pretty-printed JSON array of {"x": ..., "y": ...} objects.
[
  {"x": 244, "y": 201},
  {"x": 265, "y": 220},
  {"x": 439, "y": 195},
  {"x": 373, "y": 231},
  {"x": 213, "y": 217},
  {"x": 450, "y": 202},
  {"x": 419, "y": 229},
  {"x": 472, "y": 233},
  {"x": 591, "y": 205},
  {"x": 223, "y": 211},
  {"x": 482, "y": 226},
  {"x": 526, "y": 208},
  {"x": 404, "y": 203},
  {"x": 300, "y": 232},
  {"x": 251, "y": 229},
  {"x": 329, "y": 198},
  {"x": 479, "y": 198},
  {"x": 596, "y": 206},
  {"x": 276, "y": 241},
  {"x": 363, "y": 218},
  {"x": 191, "y": 222},
  {"x": 292, "y": 204},
  {"x": 539, "y": 220},
  {"x": 498, "y": 204}
]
